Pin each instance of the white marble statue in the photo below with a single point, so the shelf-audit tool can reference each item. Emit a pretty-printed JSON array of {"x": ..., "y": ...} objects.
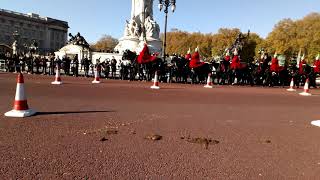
[
  {"x": 141, "y": 9},
  {"x": 152, "y": 28},
  {"x": 141, "y": 28}
]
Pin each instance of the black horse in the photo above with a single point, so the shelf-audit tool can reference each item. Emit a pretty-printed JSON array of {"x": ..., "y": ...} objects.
[
  {"x": 180, "y": 69},
  {"x": 144, "y": 71},
  {"x": 200, "y": 74}
]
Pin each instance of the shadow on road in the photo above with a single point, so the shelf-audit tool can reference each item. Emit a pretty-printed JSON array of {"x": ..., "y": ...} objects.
[{"x": 70, "y": 112}]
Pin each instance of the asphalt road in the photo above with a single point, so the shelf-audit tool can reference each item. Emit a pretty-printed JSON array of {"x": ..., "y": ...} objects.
[{"x": 102, "y": 131}]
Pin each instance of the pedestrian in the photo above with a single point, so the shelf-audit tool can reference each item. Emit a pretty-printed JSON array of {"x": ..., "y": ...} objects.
[
  {"x": 44, "y": 65},
  {"x": 113, "y": 67},
  {"x": 86, "y": 65}
]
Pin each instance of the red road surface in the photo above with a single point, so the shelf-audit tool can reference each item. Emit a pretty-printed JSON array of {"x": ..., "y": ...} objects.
[{"x": 264, "y": 133}]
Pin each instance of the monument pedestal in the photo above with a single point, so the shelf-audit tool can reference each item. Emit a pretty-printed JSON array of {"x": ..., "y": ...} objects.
[
  {"x": 125, "y": 43},
  {"x": 136, "y": 45},
  {"x": 154, "y": 45}
]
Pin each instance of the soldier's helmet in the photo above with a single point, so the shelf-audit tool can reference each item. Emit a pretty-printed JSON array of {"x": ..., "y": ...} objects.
[
  {"x": 227, "y": 52},
  {"x": 197, "y": 49},
  {"x": 235, "y": 52}
]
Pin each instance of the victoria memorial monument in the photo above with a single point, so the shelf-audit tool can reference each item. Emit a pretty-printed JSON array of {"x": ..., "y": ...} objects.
[{"x": 140, "y": 29}]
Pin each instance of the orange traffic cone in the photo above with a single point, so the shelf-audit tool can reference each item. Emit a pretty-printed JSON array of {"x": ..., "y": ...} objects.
[
  {"x": 291, "y": 86},
  {"x": 57, "y": 79},
  {"x": 155, "y": 82},
  {"x": 96, "y": 77},
  {"x": 209, "y": 82},
  {"x": 20, "y": 106},
  {"x": 306, "y": 91}
]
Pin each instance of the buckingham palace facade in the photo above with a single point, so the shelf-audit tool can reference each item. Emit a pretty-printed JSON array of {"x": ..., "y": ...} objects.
[{"x": 50, "y": 34}]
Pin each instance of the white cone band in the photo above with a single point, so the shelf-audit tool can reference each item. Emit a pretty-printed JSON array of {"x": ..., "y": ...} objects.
[
  {"x": 20, "y": 95},
  {"x": 291, "y": 84},
  {"x": 156, "y": 78}
]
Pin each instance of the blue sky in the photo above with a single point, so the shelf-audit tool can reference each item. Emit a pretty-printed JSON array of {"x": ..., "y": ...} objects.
[{"x": 93, "y": 18}]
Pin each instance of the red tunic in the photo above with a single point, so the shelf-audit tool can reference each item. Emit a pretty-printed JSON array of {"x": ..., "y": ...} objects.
[
  {"x": 317, "y": 66},
  {"x": 188, "y": 57},
  {"x": 235, "y": 63},
  {"x": 301, "y": 68},
  {"x": 195, "y": 61},
  {"x": 227, "y": 58},
  {"x": 144, "y": 56},
  {"x": 274, "y": 67}
]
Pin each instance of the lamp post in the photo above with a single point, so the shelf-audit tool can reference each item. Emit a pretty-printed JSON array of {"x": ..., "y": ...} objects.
[{"x": 165, "y": 4}]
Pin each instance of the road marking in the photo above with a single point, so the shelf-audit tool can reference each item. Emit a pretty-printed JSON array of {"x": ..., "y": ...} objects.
[{"x": 316, "y": 123}]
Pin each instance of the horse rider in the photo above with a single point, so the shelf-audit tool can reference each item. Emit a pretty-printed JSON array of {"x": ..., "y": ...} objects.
[
  {"x": 235, "y": 66},
  {"x": 274, "y": 67},
  {"x": 195, "y": 59},
  {"x": 302, "y": 65},
  {"x": 316, "y": 65}
]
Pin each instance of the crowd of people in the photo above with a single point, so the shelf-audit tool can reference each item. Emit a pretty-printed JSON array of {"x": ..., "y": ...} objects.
[
  {"x": 229, "y": 69},
  {"x": 47, "y": 65}
]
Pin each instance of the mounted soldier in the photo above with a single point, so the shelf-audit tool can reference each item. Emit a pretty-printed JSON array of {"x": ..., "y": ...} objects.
[
  {"x": 302, "y": 65},
  {"x": 274, "y": 67},
  {"x": 222, "y": 67},
  {"x": 235, "y": 67},
  {"x": 316, "y": 65},
  {"x": 273, "y": 74},
  {"x": 198, "y": 68}
]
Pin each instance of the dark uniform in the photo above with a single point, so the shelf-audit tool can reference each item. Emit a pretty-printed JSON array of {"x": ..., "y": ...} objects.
[
  {"x": 86, "y": 64},
  {"x": 113, "y": 67}
]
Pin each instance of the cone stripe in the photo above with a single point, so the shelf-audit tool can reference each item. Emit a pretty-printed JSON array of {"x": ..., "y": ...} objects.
[
  {"x": 291, "y": 84},
  {"x": 96, "y": 75},
  {"x": 291, "y": 88},
  {"x": 155, "y": 81},
  {"x": 57, "y": 77},
  {"x": 20, "y": 100},
  {"x": 209, "y": 82},
  {"x": 209, "y": 79},
  {"x": 306, "y": 91},
  {"x": 20, "y": 78},
  {"x": 20, "y": 105}
]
